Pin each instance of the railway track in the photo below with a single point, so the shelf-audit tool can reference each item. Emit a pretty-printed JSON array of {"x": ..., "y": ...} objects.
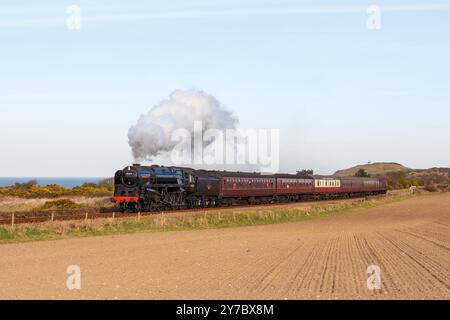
[{"x": 13, "y": 220}]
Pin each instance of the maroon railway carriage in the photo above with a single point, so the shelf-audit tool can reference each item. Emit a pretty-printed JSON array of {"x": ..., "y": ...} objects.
[
  {"x": 354, "y": 186},
  {"x": 247, "y": 184},
  {"x": 240, "y": 187},
  {"x": 290, "y": 184}
]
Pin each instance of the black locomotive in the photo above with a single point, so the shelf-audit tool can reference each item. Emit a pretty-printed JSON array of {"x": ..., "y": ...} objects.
[{"x": 142, "y": 188}]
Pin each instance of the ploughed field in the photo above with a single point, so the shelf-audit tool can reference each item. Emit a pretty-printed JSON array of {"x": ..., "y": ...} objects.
[{"x": 323, "y": 258}]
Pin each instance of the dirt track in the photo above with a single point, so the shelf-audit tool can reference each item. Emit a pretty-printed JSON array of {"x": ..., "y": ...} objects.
[{"x": 323, "y": 258}]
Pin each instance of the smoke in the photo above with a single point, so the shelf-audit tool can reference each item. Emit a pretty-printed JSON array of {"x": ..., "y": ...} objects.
[{"x": 152, "y": 134}]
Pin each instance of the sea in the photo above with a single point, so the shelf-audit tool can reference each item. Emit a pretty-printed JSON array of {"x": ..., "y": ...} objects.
[{"x": 67, "y": 183}]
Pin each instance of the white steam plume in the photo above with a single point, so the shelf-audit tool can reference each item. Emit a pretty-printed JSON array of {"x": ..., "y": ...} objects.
[{"x": 151, "y": 136}]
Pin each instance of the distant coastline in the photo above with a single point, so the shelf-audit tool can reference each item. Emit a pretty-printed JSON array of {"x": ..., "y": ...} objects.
[{"x": 64, "y": 182}]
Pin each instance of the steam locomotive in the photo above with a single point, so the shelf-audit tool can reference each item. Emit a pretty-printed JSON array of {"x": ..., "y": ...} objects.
[{"x": 156, "y": 188}]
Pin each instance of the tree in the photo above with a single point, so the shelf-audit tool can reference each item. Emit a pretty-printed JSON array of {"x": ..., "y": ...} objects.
[
  {"x": 305, "y": 172},
  {"x": 362, "y": 174},
  {"x": 26, "y": 185}
]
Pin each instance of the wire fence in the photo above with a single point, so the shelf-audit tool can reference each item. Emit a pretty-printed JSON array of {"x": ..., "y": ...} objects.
[{"x": 13, "y": 219}]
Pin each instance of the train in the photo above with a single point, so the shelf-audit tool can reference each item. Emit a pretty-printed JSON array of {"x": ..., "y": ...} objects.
[{"x": 140, "y": 188}]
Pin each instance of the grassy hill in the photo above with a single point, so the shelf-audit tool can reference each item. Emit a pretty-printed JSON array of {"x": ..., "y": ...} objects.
[
  {"x": 377, "y": 168},
  {"x": 399, "y": 176}
]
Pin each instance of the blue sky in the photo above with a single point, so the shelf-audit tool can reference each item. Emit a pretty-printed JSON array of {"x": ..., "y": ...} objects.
[{"x": 340, "y": 94}]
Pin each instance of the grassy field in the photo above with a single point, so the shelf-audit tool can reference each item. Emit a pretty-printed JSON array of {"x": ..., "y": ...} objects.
[{"x": 188, "y": 221}]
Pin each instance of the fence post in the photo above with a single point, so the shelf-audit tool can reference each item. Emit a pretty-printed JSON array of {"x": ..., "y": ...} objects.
[
  {"x": 139, "y": 216},
  {"x": 53, "y": 216},
  {"x": 114, "y": 215},
  {"x": 86, "y": 217},
  {"x": 12, "y": 219}
]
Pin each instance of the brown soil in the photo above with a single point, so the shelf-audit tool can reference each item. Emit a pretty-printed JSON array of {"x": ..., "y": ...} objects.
[{"x": 324, "y": 258}]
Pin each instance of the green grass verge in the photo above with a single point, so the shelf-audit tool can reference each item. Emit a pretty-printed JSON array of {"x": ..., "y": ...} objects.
[{"x": 176, "y": 222}]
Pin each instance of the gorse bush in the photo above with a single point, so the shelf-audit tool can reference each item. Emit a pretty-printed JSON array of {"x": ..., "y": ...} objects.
[
  {"x": 60, "y": 204},
  {"x": 89, "y": 189}
]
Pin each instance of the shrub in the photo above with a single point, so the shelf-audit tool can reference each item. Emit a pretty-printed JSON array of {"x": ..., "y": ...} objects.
[
  {"x": 362, "y": 174},
  {"x": 305, "y": 172},
  {"x": 91, "y": 190},
  {"x": 59, "y": 204}
]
